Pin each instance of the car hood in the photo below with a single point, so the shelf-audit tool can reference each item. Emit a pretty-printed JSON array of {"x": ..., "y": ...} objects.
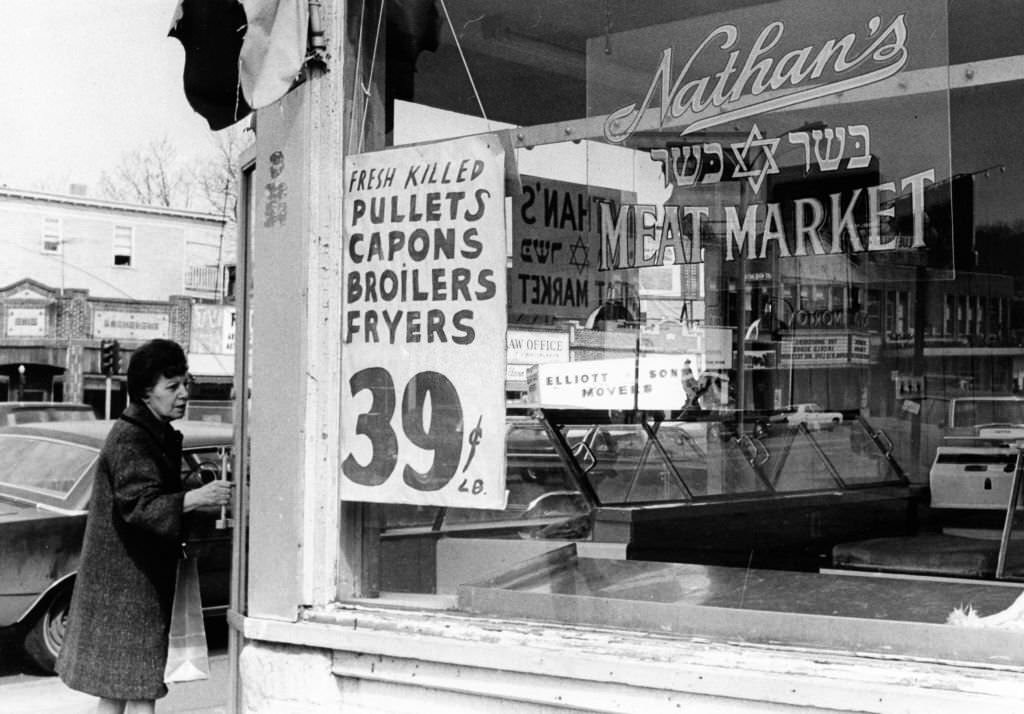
[{"x": 15, "y": 511}]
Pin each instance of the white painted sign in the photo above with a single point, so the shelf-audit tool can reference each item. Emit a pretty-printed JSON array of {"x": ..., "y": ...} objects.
[
  {"x": 911, "y": 407},
  {"x": 212, "y": 330},
  {"x": 26, "y": 322},
  {"x": 860, "y": 349},
  {"x": 423, "y": 329},
  {"x": 516, "y": 372},
  {"x": 525, "y": 348},
  {"x": 717, "y": 348},
  {"x": 652, "y": 382},
  {"x": 130, "y": 325}
]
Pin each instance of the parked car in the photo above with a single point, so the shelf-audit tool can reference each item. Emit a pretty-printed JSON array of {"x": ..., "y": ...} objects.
[
  {"x": 975, "y": 523},
  {"x": 811, "y": 415},
  {"x": 29, "y": 412},
  {"x": 922, "y": 424},
  {"x": 221, "y": 410},
  {"x": 46, "y": 478}
]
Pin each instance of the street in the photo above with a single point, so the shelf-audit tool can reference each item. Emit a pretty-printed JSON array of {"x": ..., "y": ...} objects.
[{"x": 24, "y": 691}]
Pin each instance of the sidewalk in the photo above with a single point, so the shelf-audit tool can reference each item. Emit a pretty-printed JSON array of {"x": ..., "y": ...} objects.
[
  {"x": 50, "y": 696},
  {"x": 41, "y": 696}
]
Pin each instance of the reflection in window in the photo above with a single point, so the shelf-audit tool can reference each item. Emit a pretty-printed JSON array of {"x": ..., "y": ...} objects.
[{"x": 742, "y": 248}]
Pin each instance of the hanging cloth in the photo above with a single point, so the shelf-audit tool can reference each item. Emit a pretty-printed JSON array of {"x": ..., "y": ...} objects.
[{"x": 239, "y": 56}]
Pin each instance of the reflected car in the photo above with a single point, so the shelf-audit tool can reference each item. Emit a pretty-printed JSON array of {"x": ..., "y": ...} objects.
[
  {"x": 974, "y": 523},
  {"x": 811, "y": 415},
  {"x": 46, "y": 478},
  {"x": 941, "y": 417},
  {"x": 12, "y": 413}
]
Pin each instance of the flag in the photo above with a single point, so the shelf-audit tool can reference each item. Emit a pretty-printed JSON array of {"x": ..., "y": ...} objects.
[
  {"x": 239, "y": 56},
  {"x": 211, "y": 33},
  {"x": 242, "y": 55},
  {"x": 274, "y": 48}
]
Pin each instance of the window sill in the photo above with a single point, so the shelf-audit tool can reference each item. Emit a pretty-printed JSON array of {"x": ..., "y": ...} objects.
[
  {"x": 892, "y": 617},
  {"x": 505, "y": 658}
]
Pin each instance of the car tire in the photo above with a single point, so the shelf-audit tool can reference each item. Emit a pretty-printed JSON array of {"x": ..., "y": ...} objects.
[{"x": 46, "y": 635}]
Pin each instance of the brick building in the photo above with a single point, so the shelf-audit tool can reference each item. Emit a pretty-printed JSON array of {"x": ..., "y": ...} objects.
[{"x": 81, "y": 270}]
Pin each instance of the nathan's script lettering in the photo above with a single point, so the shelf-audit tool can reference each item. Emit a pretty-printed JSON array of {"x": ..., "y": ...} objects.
[{"x": 759, "y": 79}]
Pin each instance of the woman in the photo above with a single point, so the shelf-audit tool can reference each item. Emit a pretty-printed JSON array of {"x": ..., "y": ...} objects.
[{"x": 116, "y": 641}]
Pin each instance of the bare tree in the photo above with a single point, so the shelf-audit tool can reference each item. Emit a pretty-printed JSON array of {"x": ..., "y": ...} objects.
[
  {"x": 215, "y": 176},
  {"x": 155, "y": 175},
  {"x": 151, "y": 175}
]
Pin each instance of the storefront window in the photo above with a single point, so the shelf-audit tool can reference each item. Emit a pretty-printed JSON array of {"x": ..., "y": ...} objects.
[{"x": 753, "y": 262}]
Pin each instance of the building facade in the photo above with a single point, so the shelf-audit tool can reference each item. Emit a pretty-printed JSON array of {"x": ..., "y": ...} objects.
[
  {"x": 590, "y": 352},
  {"x": 81, "y": 271}
]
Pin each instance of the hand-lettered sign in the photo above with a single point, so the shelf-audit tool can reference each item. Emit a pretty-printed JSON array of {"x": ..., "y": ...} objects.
[{"x": 423, "y": 333}]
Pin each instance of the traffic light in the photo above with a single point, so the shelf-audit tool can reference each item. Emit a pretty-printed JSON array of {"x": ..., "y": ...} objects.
[{"x": 110, "y": 357}]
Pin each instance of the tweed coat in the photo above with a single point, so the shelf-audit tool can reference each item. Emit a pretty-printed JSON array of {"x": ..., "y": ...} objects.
[{"x": 115, "y": 645}]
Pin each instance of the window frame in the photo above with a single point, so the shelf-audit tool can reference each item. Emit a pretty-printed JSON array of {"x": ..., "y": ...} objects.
[
  {"x": 116, "y": 244},
  {"x": 47, "y": 235},
  {"x": 352, "y": 570}
]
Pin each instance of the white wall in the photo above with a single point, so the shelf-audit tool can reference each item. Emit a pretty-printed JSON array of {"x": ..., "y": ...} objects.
[{"x": 86, "y": 261}]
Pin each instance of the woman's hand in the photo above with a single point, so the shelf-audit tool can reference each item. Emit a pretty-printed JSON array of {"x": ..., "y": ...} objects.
[{"x": 213, "y": 495}]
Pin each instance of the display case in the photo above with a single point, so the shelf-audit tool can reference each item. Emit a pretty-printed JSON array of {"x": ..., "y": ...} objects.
[{"x": 724, "y": 488}]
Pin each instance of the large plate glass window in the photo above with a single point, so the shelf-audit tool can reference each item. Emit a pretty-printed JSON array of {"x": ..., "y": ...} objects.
[{"x": 759, "y": 263}]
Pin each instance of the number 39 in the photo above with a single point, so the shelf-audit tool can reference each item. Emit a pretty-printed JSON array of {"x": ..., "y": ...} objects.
[{"x": 443, "y": 437}]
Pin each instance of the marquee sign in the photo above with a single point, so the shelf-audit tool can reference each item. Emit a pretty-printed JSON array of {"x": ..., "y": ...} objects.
[{"x": 825, "y": 349}]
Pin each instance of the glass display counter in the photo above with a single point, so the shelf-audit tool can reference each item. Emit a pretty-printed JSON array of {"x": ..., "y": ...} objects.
[{"x": 739, "y": 489}]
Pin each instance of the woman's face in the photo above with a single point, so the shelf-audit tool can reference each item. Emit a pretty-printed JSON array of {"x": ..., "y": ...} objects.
[{"x": 168, "y": 397}]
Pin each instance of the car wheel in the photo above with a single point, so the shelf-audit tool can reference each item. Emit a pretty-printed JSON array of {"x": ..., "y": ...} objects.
[{"x": 46, "y": 635}]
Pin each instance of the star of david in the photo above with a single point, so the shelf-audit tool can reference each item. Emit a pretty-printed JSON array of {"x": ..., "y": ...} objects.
[
  {"x": 580, "y": 246},
  {"x": 745, "y": 162}
]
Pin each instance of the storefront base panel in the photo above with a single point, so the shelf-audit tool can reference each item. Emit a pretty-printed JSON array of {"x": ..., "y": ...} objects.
[
  {"x": 356, "y": 659},
  {"x": 284, "y": 679}
]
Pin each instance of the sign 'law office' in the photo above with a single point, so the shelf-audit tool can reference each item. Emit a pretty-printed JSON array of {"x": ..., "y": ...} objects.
[{"x": 423, "y": 329}]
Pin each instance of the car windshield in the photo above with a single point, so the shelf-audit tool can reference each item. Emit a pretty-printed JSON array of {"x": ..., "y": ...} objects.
[
  {"x": 28, "y": 416},
  {"x": 42, "y": 465}
]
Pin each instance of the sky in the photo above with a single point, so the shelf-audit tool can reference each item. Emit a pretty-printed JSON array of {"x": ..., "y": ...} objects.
[{"x": 82, "y": 82}]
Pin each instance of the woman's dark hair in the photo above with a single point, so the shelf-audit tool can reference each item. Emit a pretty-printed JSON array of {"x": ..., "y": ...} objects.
[{"x": 151, "y": 361}]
